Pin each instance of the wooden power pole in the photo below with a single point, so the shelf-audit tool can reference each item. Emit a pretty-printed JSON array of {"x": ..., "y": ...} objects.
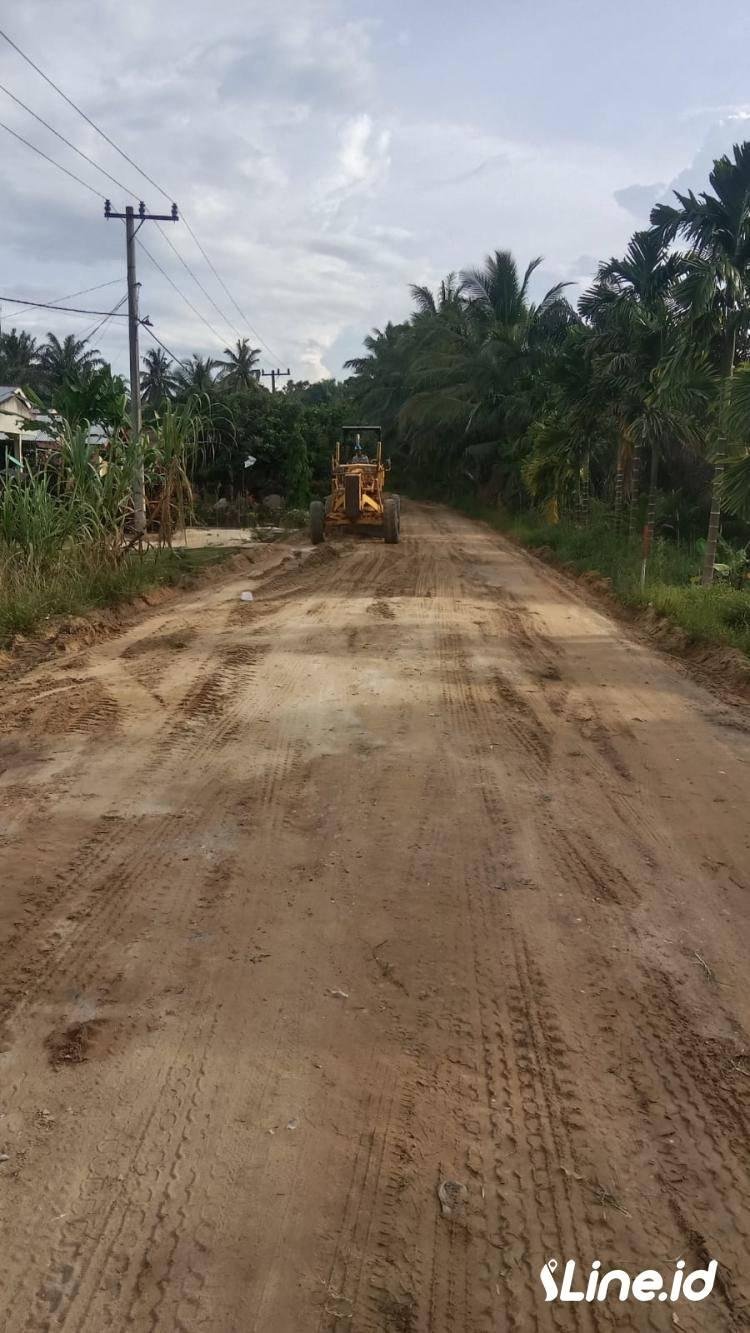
[
  {"x": 275, "y": 375},
  {"x": 129, "y": 216}
]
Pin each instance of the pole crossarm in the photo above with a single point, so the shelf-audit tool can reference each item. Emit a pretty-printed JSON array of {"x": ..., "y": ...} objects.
[
  {"x": 174, "y": 216},
  {"x": 274, "y": 375}
]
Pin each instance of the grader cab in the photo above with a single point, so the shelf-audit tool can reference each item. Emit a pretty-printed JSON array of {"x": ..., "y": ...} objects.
[{"x": 357, "y": 502}]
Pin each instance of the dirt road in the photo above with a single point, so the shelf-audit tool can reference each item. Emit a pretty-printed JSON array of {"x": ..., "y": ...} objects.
[{"x": 414, "y": 869}]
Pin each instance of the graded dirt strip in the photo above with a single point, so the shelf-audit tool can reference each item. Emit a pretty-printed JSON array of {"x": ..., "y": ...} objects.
[{"x": 414, "y": 869}]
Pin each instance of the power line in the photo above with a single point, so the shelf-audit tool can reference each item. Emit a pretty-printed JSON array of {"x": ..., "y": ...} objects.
[
  {"x": 141, "y": 172},
  {"x": 51, "y": 160},
  {"x": 181, "y": 294},
  {"x": 221, "y": 281},
  {"x": 120, "y": 186},
  {"x": 36, "y": 321},
  {"x": 88, "y": 119},
  {"x": 71, "y": 295},
  {"x": 88, "y": 336},
  {"x": 135, "y": 193},
  {"x": 163, "y": 346},
  {"x": 46, "y": 305},
  {"x": 197, "y": 281}
]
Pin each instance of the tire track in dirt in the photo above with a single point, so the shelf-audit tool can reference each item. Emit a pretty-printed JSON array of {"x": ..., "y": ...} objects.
[
  {"x": 179, "y": 1104},
  {"x": 393, "y": 910},
  {"x": 218, "y": 700},
  {"x": 367, "y": 1270},
  {"x": 77, "y": 960},
  {"x": 384, "y": 1291},
  {"x": 264, "y": 800},
  {"x": 524, "y": 1136},
  {"x": 603, "y": 878},
  {"x": 74, "y": 1281}
]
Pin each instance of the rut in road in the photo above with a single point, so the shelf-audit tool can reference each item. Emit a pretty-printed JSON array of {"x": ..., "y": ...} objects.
[{"x": 416, "y": 868}]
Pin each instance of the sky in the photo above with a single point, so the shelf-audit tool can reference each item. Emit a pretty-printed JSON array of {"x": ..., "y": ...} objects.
[{"x": 328, "y": 153}]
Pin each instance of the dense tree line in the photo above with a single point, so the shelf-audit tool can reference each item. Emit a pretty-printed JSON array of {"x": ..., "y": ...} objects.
[
  {"x": 640, "y": 396},
  {"x": 290, "y": 434}
]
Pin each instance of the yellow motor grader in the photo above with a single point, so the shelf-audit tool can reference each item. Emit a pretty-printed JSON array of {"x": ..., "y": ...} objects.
[{"x": 358, "y": 502}]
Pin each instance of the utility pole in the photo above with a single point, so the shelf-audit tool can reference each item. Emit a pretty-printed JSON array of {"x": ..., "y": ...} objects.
[
  {"x": 129, "y": 216},
  {"x": 274, "y": 375}
]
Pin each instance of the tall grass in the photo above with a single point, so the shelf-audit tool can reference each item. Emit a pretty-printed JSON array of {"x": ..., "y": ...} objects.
[
  {"x": 33, "y": 523},
  {"x": 85, "y": 577},
  {"x": 63, "y": 529},
  {"x": 180, "y": 431}
]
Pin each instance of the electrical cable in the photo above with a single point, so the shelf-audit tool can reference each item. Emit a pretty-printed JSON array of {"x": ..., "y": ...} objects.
[
  {"x": 151, "y": 334},
  {"x": 52, "y": 161},
  {"x": 88, "y": 119},
  {"x": 134, "y": 193},
  {"x": 71, "y": 295},
  {"x": 181, "y": 294},
  {"x": 45, "y": 305},
  {"x": 141, "y": 172},
  {"x": 222, "y": 283},
  {"x": 88, "y": 336},
  {"x": 197, "y": 281}
]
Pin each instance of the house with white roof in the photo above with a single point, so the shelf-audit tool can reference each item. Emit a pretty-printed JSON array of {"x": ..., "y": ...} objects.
[
  {"x": 17, "y": 417},
  {"x": 29, "y": 433}
]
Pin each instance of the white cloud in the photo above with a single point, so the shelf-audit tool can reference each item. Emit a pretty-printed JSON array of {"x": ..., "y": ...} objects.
[
  {"x": 360, "y": 168},
  {"x": 357, "y": 137},
  {"x": 718, "y": 139},
  {"x": 320, "y": 151}
]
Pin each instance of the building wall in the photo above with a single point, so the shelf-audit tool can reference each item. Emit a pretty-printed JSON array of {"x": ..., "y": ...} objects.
[{"x": 10, "y": 410}]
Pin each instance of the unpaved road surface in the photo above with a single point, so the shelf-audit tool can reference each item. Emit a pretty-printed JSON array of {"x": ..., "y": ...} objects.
[{"x": 414, "y": 869}]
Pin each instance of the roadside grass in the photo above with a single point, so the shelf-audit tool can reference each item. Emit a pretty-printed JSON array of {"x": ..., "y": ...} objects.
[
  {"x": 85, "y": 575},
  {"x": 719, "y": 615},
  {"x": 64, "y": 525}
]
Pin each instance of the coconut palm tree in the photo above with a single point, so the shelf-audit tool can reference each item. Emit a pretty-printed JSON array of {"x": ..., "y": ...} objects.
[
  {"x": 196, "y": 376},
  {"x": 379, "y": 379},
  {"x": 19, "y": 358},
  {"x": 158, "y": 379},
  {"x": 447, "y": 304},
  {"x": 238, "y": 371},
  {"x": 716, "y": 290},
  {"x": 646, "y": 273},
  {"x": 500, "y": 299},
  {"x": 71, "y": 359},
  {"x": 631, "y": 309},
  {"x": 576, "y": 427},
  {"x": 475, "y": 375}
]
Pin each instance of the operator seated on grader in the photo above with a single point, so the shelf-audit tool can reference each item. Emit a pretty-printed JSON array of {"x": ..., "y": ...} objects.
[{"x": 357, "y": 502}]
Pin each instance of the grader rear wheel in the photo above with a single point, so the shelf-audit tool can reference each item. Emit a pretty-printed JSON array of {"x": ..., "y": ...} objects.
[{"x": 392, "y": 519}]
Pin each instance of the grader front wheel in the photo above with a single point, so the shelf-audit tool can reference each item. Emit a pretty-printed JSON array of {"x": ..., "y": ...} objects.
[
  {"x": 317, "y": 521},
  {"x": 392, "y": 519},
  {"x": 353, "y": 495}
]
